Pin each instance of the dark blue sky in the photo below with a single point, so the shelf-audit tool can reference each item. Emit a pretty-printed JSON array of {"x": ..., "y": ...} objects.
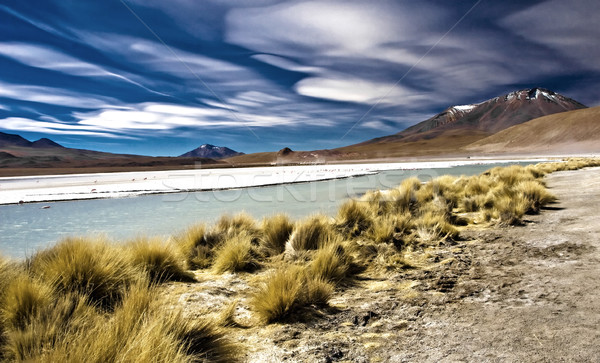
[{"x": 161, "y": 77}]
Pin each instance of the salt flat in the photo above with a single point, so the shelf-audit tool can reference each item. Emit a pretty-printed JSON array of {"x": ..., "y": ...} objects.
[{"x": 115, "y": 185}]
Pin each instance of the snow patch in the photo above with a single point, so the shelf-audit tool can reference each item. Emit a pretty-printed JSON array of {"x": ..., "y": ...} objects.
[{"x": 464, "y": 108}]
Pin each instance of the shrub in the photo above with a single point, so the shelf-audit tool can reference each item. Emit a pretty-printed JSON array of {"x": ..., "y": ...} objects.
[
  {"x": 276, "y": 231},
  {"x": 90, "y": 267},
  {"x": 159, "y": 259},
  {"x": 311, "y": 233},
  {"x": 236, "y": 254}
]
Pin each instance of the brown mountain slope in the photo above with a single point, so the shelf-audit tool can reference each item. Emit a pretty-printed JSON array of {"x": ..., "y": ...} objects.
[
  {"x": 487, "y": 117},
  {"x": 573, "y": 132}
]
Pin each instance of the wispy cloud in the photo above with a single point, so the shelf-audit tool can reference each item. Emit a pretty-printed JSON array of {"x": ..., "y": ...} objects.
[
  {"x": 285, "y": 68},
  {"x": 55, "y": 96}
]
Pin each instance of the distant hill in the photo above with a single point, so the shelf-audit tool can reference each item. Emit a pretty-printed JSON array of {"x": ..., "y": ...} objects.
[
  {"x": 19, "y": 156},
  {"x": 567, "y": 132},
  {"x": 211, "y": 151},
  {"x": 11, "y": 140}
]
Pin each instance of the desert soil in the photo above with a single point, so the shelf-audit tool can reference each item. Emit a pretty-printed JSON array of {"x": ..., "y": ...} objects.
[{"x": 502, "y": 294}]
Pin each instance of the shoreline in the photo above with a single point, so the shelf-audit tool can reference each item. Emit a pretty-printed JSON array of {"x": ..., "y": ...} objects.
[{"x": 55, "y": 188}]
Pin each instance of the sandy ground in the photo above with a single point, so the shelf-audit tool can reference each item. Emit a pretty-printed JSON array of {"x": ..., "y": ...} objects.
[
  {"x": 115, "y": 185},
  {"x": 517, "y": 294}
]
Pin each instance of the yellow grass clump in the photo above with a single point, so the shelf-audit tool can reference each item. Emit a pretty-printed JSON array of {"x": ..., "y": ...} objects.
[
  {"x": 240, "y": 223},
  {"x": 275, "y": 232},
  {"x": 236, "y": 254},
  {"x": 331, "y": 263},
  {"x": 311, "y": 233},
  {"x": 536, "y": 195},
  {"x": 433, "y": 227},
  {"x": 89, "y": 266},
  {"x": 159, "y": 259},
  {"x": 288, "y": 290},
  {"x": 195, "y": 246},
  {"x": 354, "y": 218},
  {"x": 279, "y": 296},
  {"x": 22, "y": 299}
]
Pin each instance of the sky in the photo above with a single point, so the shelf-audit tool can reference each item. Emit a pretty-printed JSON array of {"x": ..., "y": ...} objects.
[{"x": 158, "y": 77}]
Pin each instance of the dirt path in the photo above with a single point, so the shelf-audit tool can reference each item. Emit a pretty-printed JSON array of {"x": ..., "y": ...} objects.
[
  {"x": 537, "y": 288},
  {"x": 518, "y": 294}
]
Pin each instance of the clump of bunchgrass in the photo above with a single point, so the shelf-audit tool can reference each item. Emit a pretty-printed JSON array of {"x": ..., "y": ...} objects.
[
  {"x": 288, "y": 290},
  {"x": 240, "y": 223},
  {"x": 331, "y": 263},
  {"x": 280, "y": 295},
  {"x": 160, "y": 260},
  {"x": 509, "y": 209},
  {"x": 432, "y": 227},
  {"x": 276, "y": 231},
  {"x": 22, "y": 300},
  {"x": 311, "y": 233},
  {"x": 194, "y": 245},
  {"x": 51, "y": 329},
  {"x": 354, "y": 218},
  {"x": 536, "y": 195},
  {"x": 394, "y": 228},
  {"x": 88, "y": 266},
  {"x": 236, "y": 254},
  {"x": 140, "y": 331}
]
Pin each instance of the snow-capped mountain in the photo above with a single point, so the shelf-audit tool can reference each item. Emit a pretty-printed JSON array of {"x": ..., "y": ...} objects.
[
  {"x": 211, "y": 151},
  {"x": 490, "y": 116}
]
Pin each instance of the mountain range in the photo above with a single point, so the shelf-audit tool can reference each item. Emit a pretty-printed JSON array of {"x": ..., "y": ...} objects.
[
  {"x": 19, "y": 156},
  {"x": 526, "y": 121}
]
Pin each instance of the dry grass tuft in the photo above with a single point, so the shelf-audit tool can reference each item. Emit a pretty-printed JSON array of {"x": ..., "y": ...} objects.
[
  {"x": 91, "y": 267},
  {"x": 536, "y": 195},
  {"x": 280, "y": 295},
  {"x": 240, "y": 223},
  {"x": 160, "y": 260},
  {"x": 193, "y": 244},
  {"x": 510, "y": 209},
  {"x": 354, "y": 218},
  {"x": 236, "y": 254},
  {"x": 22, "y": 300},
  {"x": 311, "y": 233},
  {"x": 331, "y": 263},
  {"x": 432, "y": 227},
  {"x": 276, "y": 231}
]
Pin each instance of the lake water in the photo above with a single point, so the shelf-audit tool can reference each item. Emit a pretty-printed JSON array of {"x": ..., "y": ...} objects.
[{"x": 27, "y": 228}]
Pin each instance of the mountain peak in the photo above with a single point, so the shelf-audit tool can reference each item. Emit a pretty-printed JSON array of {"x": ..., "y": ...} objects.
[
  {"x": 211, "y": 151},
  {"x": 45, "y": 143}
]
